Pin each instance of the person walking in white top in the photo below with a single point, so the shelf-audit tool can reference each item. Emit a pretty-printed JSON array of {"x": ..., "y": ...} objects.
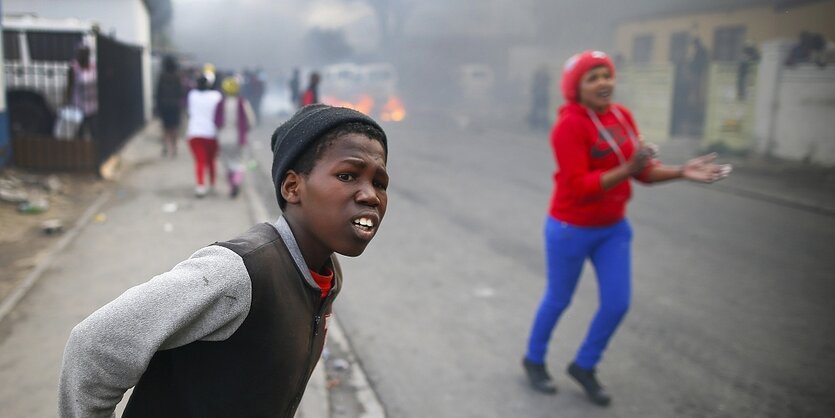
[{"x": 202, "y": 132}]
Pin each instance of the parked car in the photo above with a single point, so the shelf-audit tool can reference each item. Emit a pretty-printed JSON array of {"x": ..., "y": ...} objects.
[{"x": 37, "y": 55}]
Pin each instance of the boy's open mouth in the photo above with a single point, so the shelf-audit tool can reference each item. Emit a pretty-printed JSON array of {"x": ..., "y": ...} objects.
[
  {"x": 364, "y": 223},
  {"x": 365, "y": 226}
]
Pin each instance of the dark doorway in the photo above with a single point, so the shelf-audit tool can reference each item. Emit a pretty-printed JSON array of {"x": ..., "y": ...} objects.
[
  {"x": 691, "y": 61},
  {"x": 679, "y": 43}
]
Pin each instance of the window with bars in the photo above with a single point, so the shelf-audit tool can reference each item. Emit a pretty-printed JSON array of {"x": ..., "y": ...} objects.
[
  {"x": 11, "y": 44},
  {"x": 53, "y": 46}
]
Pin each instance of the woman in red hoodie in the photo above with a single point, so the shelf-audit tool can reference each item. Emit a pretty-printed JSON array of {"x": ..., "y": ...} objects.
[{"x": 598, "y": 150}]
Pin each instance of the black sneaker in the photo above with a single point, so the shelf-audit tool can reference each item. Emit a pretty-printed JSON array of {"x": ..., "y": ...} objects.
[
  {"x": 539, "y": 377},
  {"x": 589, "y": 382}
]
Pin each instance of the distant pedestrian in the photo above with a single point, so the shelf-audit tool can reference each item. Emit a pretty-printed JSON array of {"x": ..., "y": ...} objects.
[
  {"x": 311, "y": 94},
  {"x": 295, "y": 86},
  {"x": 257, "y": 88},
  {"x": 210, "y": 72},
  {"x": 540, "y": 103},
  {"x": 169, "y": 100},
  {"x": 809, "y": 48},
  {"x": 202, "y": 133},
  {"x": 750, "y": 57},
  {"x": 237, "y": 328},
  {"x": 697, "y": 88},
  {"x": 597, "y": 150},
  {"x": 82, "y": 91},
  {"x": 234, "y": 117}
]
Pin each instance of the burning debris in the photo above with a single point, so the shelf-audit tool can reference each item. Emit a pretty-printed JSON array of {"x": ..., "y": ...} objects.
[
  {"x": 391, "y": 111},
  {"x": 369, "y": 88}
]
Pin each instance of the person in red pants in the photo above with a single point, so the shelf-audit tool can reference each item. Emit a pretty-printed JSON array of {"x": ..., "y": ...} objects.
[{"x": 202, "y": 132}]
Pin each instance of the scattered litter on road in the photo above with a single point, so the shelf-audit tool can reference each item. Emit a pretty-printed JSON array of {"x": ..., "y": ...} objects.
[
  {"x": 53, "y": 184},
  {"x": 13, "y": 195},
  {"x": 169, "y": 207},
  {"x": 52, "y": 226},
  {"x": 485, "y": 292},
  {"x": 100, "y": 218},
  {"x": 168, "y": 227},
  {"x": 340, "y": 364},
  {"x": 33, "y": 206},
  {"x": 332, "y": 383}
]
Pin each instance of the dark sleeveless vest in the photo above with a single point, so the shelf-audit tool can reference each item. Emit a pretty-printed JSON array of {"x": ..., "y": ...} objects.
[{"x": 263, "y": 368}]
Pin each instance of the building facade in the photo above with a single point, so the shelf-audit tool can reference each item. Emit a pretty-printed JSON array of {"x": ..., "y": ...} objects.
[{"x": 724, "y": 32}]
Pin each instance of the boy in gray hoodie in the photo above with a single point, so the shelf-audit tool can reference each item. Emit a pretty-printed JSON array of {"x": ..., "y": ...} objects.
[{"x": 237, "y": 328}]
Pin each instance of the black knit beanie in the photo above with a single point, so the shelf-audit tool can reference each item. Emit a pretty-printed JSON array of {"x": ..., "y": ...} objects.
[{"x": 303, "y": 129}]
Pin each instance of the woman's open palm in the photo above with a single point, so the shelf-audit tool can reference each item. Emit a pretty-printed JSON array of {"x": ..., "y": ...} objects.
[{"x": 702, "y": 169}]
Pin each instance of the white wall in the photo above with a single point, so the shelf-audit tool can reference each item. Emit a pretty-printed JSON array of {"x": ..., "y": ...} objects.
[
  {"x": 125, "y": 20},
  {"x": 648, "y": 91},
  {"x": 795, "y": 109},
  {"x": 805, "y": 118}
]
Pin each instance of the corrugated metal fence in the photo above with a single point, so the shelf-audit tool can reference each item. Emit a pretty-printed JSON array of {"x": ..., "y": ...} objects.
[{"x": 121, "y": 105}]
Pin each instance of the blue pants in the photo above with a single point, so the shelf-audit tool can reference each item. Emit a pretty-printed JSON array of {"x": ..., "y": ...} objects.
[{"x": 567, "y": 248}]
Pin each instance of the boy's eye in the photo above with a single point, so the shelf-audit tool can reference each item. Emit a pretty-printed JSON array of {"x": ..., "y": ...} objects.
[
  {"x": 345, "y": 176},
  {"x": 381, "y": 185}
]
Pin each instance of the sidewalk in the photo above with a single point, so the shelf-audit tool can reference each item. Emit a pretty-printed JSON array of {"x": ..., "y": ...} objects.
[{"x": 144, "y": 225}]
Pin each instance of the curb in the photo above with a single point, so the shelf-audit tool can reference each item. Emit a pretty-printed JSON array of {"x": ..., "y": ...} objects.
[{"x": 372, "y": 407}]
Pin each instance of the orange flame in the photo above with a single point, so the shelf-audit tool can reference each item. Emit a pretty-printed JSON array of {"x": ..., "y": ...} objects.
[
  {"x": 364, "y": 104},
  {"x": 393, "y": 110}
]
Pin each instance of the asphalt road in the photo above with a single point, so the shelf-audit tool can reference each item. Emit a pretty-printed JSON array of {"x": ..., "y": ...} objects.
[{"x": 731, "y": 314}]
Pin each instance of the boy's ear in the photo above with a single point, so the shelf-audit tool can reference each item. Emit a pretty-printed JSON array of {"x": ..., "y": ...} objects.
[{"x": 290, "y": 187}]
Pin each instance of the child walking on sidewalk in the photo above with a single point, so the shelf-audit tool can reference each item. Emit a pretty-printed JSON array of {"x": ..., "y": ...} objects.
[{"x": 234, "y": 117}]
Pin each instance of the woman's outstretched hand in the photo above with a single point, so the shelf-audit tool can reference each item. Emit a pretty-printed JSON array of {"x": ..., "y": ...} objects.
[{"x": 702, "y": 169}]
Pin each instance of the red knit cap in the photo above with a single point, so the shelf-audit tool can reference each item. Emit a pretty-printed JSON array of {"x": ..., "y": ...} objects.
[{"x": 576, "y": 66}]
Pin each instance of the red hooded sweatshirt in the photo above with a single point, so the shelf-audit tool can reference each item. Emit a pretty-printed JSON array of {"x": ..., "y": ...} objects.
[{"x": 582, "y": 156}]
